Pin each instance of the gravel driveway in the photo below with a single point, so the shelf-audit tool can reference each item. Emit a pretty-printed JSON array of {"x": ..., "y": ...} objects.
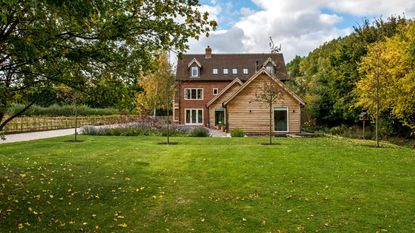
[{"x": 21, "y": 137}]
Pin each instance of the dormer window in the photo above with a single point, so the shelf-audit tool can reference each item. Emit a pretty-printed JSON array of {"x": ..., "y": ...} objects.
[
  {"x": 234, "y": 71},
  {"x": 214, "y": 71},
  {"x": 270, "y": 68},
  {"x": 245, "y": 70},
  {"x": 270, "y": 65},
  {"x": 225, "y": 71},
  {"x": 194, "y": 66},
  {"x": 195, "y": 71}
]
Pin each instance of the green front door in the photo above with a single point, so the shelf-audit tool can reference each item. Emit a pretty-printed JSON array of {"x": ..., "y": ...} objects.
[
  {"x": 281, "y": 119},
  {"x": 219, "y": 117}
]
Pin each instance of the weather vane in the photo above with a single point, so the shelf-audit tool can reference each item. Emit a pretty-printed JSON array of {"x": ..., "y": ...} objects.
[{"x": 273, "y": 47}]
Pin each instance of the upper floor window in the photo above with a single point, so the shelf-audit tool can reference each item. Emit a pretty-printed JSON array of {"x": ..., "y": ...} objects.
[
  {"x": 225, "y": 71},
  {"x": 195, "y": 71},
  {"x": 214, "y": 71},
  {"x": 193, "y": 93},
  {"x": 234, "y": 71},
  {"x": 215, "y": 91},
  {"x": 245, "y": 70}
]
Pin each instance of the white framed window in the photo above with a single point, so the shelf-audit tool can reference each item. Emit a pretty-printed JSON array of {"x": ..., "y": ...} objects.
[
  {"x": 214, "y": 71},
  {"x": 195, "y": 71},
  {"x": 281, "y": 120},
  {"x": 245, "y": 70},
  {"x": 225, "y": 71},
  {"x": 234, "y": 71},
  {"x": 215, "y": 91},
  {"x": 193, "y": 93},
  {"x": 193, "y": 116}
]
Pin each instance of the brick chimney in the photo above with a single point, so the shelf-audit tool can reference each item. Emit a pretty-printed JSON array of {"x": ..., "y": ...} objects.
[{"x": 208, "y": 52}]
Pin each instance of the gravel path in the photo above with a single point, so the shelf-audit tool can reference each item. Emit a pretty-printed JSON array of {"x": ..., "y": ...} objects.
[
  {"x": 217, "y": 133},
  {"x": 21, "y": 137}
]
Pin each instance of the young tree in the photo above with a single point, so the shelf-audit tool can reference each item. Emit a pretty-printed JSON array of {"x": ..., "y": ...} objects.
[
  {"x": 269, "y": 93},
  {"x": 372, "y": 89},
  {"x": 392, "y": 61},
  {"x": 165, "y": 74},
  {"x": 149, "y": 99},
  {"x": 158, "y": 89},
  {"x": 41, "y": 42}
]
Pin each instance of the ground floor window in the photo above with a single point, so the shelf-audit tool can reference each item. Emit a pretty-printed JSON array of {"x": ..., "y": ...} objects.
[
  {"x": 194, "y": 116},
  {"x": 281, "y": 119}
]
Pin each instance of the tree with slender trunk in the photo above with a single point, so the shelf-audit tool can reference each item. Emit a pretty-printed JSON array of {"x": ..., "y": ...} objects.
[
  {"x": 158, "y": 89},
  {"x": 269, "y": 93},
  {"x": 372, "y": 89},
  {"x": 75, "y": 99}
]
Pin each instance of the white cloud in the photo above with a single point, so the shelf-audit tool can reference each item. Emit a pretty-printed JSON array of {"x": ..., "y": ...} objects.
[
  {"x": 299, "y": 26},
  {"x": 374, "y": 7},
  {"x": 245, "y": 11},
  {"x": 330, "y": 19}
]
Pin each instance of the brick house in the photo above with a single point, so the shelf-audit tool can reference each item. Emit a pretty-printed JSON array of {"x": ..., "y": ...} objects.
[{"x": 220, "y": 89}]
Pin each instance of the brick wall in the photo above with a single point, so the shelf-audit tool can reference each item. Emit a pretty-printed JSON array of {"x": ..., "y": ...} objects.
[{"x": 207, "y": 96}]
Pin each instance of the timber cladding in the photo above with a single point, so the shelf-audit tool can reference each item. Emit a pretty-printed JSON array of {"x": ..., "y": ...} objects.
[
  {"x": 218, "y": 103},
  {"x": 246, "y": 112}
]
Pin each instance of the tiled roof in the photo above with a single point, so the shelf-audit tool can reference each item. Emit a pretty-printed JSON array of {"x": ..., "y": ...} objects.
[{"x": 229, "y": 61}]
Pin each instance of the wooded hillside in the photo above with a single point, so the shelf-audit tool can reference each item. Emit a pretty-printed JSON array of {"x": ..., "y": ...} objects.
[{"x": 327, "y": 78}]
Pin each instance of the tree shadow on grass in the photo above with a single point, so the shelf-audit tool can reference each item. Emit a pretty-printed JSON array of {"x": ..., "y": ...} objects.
[
  {"x": 273, "y": 144},
  {"x": 73, "y": 140},
  {"x": 381, "y": 146},
  {"x": 165, "y": 143}
]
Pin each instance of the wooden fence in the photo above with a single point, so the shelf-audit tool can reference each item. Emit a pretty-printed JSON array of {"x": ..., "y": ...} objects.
[{"x": 29, "y": 124}]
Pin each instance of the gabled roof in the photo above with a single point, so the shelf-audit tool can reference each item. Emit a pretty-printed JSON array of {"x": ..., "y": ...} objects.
[
  {"x": 275, "y": 79},
  {"x": 268, "y": 61},
  {"x": 235, "y": 81},
  {"x": 230, "y": 61},
  {"x": 194, "y": 61}
]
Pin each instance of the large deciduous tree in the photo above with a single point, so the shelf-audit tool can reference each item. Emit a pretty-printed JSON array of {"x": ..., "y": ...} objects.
[{"x": 78, "y": 43}]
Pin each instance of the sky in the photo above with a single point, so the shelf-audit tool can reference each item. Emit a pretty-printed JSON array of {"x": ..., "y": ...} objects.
[{"x": 299, "y": 26}]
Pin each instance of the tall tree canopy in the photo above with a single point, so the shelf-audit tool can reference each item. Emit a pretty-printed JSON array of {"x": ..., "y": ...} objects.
[
  {"x": 326, "y": 77},
  {"x": 78, "y": 43}
]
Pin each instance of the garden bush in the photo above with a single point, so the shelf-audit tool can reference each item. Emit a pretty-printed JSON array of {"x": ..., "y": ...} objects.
[
  {"x": 199, "y": 132},
  {"x": 336, "y": 130},
  {"x": 145, "y": 127},
  {"x": 237, "y": 132}
]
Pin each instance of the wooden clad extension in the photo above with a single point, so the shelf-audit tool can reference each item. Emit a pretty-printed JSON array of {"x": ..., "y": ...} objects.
[
  {"x": 216, "y": 103},
  {"x": 245, "y": 112}
]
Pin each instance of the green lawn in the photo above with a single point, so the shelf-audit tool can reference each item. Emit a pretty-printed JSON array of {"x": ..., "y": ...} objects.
[{"x": 132, "y": 184}]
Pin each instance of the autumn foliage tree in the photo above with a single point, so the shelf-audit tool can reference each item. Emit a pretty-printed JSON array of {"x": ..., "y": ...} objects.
[
  {"x": 372, "y": 90},
  {"x": 388, "y": 82},
  {"x": 157, "y": 87},
  {"x": 158, "y": 90}
]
